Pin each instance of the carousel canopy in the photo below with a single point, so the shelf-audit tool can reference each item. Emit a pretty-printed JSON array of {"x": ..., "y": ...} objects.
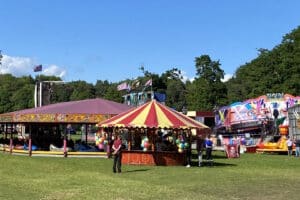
[
  {"x": 84, "y": 111},
  {"x": 153, "y": 115}
]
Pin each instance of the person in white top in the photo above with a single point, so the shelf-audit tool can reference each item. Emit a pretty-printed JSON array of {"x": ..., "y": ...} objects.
[{"x": 289, "y": 144}]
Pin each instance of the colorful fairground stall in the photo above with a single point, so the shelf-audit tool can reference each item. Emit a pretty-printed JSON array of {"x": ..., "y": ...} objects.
[
  {"x": 278, "y": 143},
  {"x": 255, "y": 115},
  {"x": 153, "y": 134},
  {"x": 48, "y": 130},
  {"x": 256, "y": 121}
]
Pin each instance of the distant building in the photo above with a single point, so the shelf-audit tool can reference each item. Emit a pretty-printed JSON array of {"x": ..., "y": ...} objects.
[
  {"x": 294, "y": 121},
  {"x": 205, "y": 117},
  {"x": 139, "y": 98}
]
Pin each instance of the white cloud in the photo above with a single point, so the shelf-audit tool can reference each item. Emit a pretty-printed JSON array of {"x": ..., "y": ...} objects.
[
  {"x": 227, "y": 77},
  {"x": 54, "y": 70},
  {"x": 185, "y": 77},
  {"x": 18, "y": 66},
  {"x": 23, "y": 66}
]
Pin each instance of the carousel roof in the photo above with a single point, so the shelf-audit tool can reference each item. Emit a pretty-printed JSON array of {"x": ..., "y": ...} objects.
[
  {"x": 89, "y": 110},
  {"x": 153, "y": 115}
]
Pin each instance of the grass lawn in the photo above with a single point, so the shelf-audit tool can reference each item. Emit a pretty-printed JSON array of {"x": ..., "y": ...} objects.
[{"x": 253, "y": 176}]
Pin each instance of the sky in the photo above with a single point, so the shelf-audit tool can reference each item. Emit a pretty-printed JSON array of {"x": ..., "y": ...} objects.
[{"x": 94, "y": 40}]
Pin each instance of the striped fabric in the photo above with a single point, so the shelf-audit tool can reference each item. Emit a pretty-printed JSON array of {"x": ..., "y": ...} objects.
[{"x": 153, "y": 115}]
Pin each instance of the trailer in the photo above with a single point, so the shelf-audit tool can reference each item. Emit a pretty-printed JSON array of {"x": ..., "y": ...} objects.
[{"x": 294, "y": 121}]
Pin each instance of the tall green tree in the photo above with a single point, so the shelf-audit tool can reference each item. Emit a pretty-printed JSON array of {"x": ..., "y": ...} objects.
[
  {"x": 207, "y": 90},
  {"x": 273, "y": 71},
  {"x": 101, "y": 88},
  {"x": 15, "y": 93},
  {"x": 81, "y": 90},
  {"x": 175, "y": 89},
  {"x": 113, "y": 94}
]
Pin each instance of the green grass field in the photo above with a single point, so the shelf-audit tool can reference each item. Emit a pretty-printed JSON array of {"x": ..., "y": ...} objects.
[{"x": 253, "y": 176}]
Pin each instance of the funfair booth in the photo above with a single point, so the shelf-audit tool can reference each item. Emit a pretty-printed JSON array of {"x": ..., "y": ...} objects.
[
  {"x": 45, "y": 130},
  {"x": 153, "y": 134},
  {"x": 261, "y": 124}
]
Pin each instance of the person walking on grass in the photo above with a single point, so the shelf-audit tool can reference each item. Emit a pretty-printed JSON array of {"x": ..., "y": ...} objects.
[
  {"x": 200, "y": 147},
  {"x": 209, "y": 146},
  {"x": 117, "y": 145}
]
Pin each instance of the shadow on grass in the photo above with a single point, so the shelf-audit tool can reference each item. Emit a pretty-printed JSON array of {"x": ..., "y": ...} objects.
[
  {"x": 135, "y": 170},
  {"x": 218, "y": 156},
  {"x": 212, "y": 164}
]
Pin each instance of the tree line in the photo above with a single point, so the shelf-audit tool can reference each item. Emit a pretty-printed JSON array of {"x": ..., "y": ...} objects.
[{"x": 272, "y": 71}]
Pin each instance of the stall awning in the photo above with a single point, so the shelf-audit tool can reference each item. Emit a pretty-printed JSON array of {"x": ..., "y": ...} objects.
[{"x": 153, "y": 115}]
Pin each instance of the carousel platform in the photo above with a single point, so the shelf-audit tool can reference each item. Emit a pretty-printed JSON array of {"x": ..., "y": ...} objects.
[{"x": 55, "y": 153}]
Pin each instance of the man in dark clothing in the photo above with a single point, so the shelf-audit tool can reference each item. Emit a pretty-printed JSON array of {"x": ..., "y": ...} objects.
[
  {"x": 117, "y": 154},
  {"x": 209, "y": 146},
  {"x": 200, "y": 147},
  {"x": 188, "y": 152},
  {"x": 297, "y": 153}
]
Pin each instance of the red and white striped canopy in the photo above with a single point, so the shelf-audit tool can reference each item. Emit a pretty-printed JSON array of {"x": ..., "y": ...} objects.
[{"x": 153, "y": 115}]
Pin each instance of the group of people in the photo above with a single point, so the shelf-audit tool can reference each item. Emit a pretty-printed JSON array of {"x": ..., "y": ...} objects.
[
  {"x": 202, "y": 145},
  {"x": 290, "y": 142}
]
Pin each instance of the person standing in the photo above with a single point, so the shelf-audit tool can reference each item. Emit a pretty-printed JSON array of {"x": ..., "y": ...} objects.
[
  {"x": 200, "y": 146},
  {"x": 117, "y": 154},
  {"x": 297, "y": 142},
  {"x": 188, "y": 151},
  {"x": 289, "y": 144},
  {"x": 209, "y": 146}
]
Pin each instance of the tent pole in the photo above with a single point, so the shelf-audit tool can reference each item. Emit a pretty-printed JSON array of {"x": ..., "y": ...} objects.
[
  {"x": 29, "y": 145},
  {"x": 129, "y": 139},
  {"x": 152, "y": 132},
  {"x": 108, "y": 143},
  {"x": 65, "y": 142},
  {"x": 10, "y": 142},
  {"x": 4, "y": 137},
  {"x": 86, "y": 134}
]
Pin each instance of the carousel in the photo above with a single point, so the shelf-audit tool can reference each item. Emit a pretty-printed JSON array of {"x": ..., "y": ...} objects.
[
  {"x": 153, "y": 134},
  {"x": 48, "y": 130}
]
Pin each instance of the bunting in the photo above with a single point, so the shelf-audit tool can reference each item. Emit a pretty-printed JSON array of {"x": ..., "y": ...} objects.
[
  {"x": 148, "y": 83},
  {"x": 123, "y": 86}
]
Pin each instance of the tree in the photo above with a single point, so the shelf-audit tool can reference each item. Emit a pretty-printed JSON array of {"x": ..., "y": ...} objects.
[
  {"x": 174, "y": 88},
  {"x": 112, "y": 94},
  {"x": 176, "y": 94},
  {"x": 101, "y": 88},
  {"x": 207, "y": 90},
  {"x": 82, "y": 90},
  {"x": 61, "y": 93},
  {"x": 15, "y": 93},
  {"x": 273, "y": 71}
]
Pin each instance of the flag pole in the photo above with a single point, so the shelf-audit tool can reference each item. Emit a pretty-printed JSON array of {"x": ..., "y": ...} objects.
[{"x": 152, "y": 95}]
